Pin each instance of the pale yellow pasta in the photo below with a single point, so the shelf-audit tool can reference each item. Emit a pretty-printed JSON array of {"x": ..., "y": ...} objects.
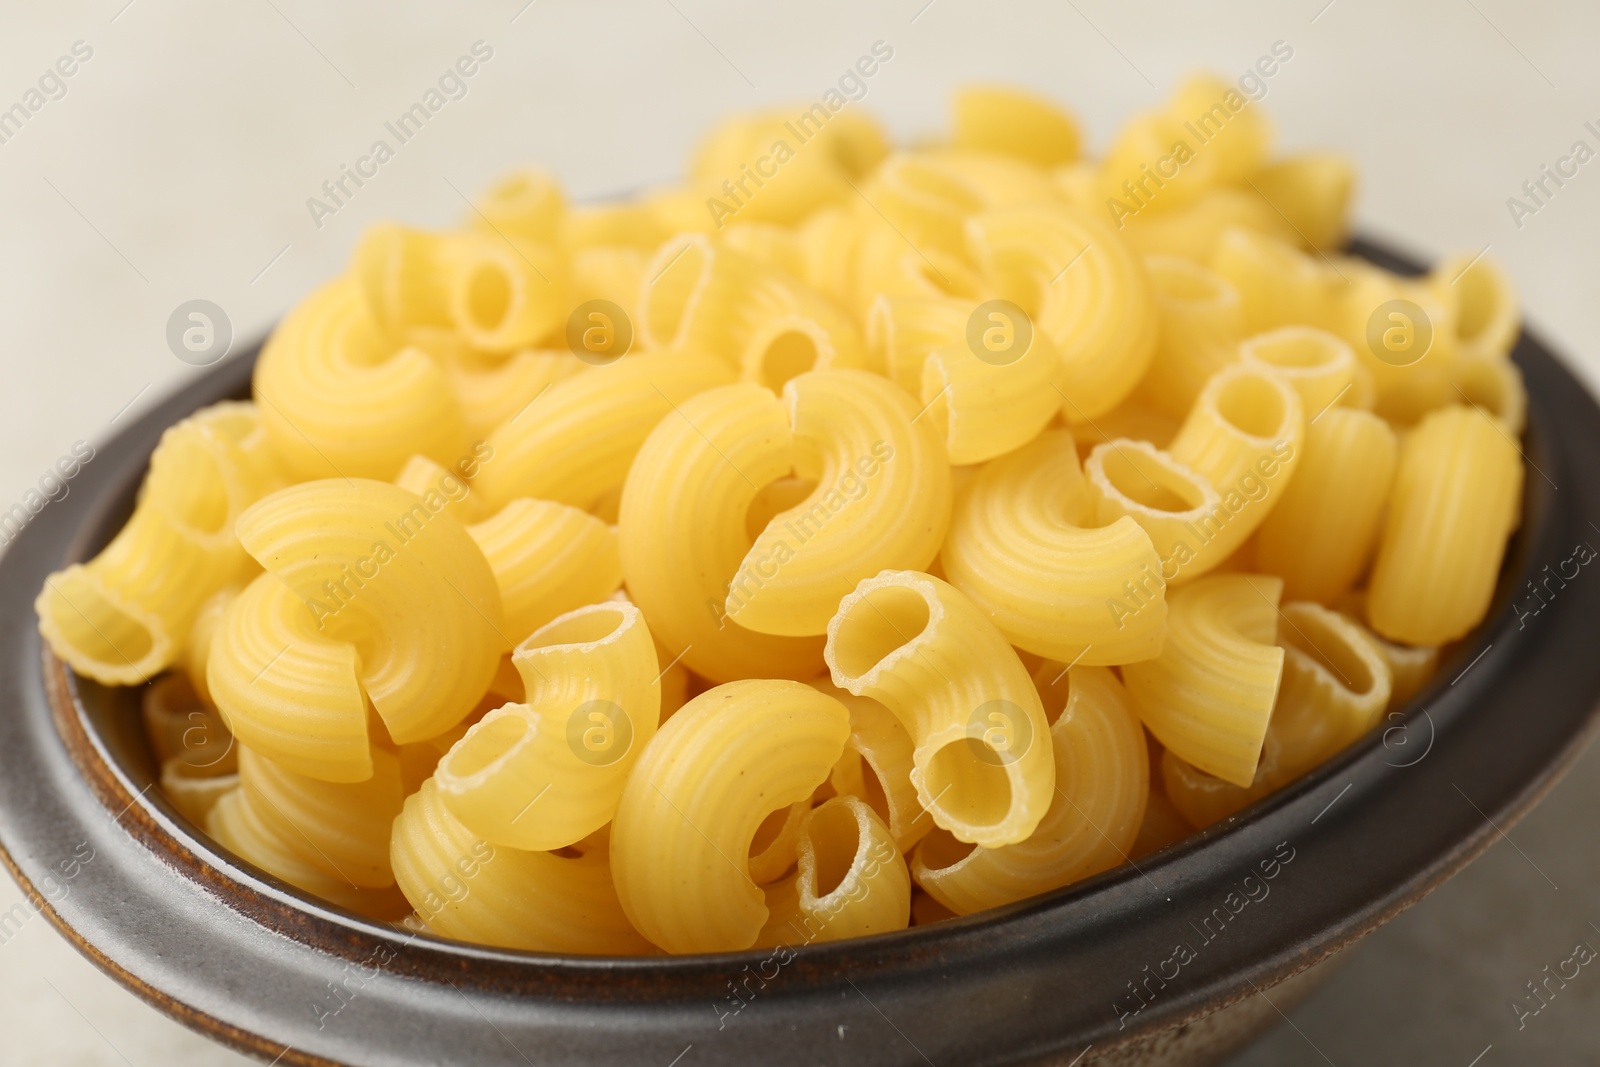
[
  {"x": 1210, "y": 693},
  {"x": 770, "y": 743},
  {"x": 925, "y": 200},
  {"x": 620, "y": 224},
  {"x": 1085, "y": 290},
  {"x": 876, "y": 766},
  {"x": 988, "y": 405},
  {"x": 1202, "y": 799},
  {"x": 503, "y": 293},
  {"x": 1154, "y": 165},
  {"x": 1312, "y": 191},
  {"x": 921, "y": 648},
  {"x": 183, "y": 729},
  {"x": 1193, "y": 230},
  {"x": 1176, "y": 507},
  {"x": 527, "y": 203},
  {"x": 852, "y": 880},
  {"x": 1134, "y": 419},
  {"x": 127, "y": 613},
  {"x": 547, "y": 772},
  {"x": 783, "y": 345},
  {"x": 1494, "y": 384},
  {"x": 1163, "y": 823},
  {"x": 1487, "y": 319},
  {"x": 547, "y": 559},
  {"x": 1409, "y": 379},
  {"x": 399, "y": 272},
  {"x": 1025, "y": 547},
  {"x": 776, "y": 846},
  {"x": 609, "y": 272},
  {"x": 465, "y": 888},
  {"x": 197, "y": 651},
  {"x": 1318, "y": 364},
  {"x": 774, "y": 166},
  {"x": 886, "y": 263},
  {"x": 1410, "y": 667},
  {"x": 1200, "y": 321},
  {"x": 193, "y": 790},
  {"x": 1321, "y": 533},
  {"x": 1225, "y": 123},
  {"x": 421, "y": 476},
  {"x": 1455, "y": 496},
  {"x": 389, "y": 576},
  {"x": 1102, "y": 782},
  {"x": 1278, "y": 284},
  {"x": 574, "y": 443},
  {"x": 1001, "y": 119},
  {"x": 827, "y": 242},
  {"x": 902, "y": 331},
  {"x": 767, "y": 243},
  {"x": 1244, "y": 435},
  {"x": 339, "y": 398},
  {"x": 1335, "y": 687},
  {"x": 493, "y": 389}
]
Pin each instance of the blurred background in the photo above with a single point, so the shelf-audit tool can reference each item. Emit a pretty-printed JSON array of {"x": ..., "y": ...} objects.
[{"x": 175, "y": 164}]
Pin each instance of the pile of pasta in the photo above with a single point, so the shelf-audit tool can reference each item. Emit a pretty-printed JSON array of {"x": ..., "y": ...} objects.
[{"x": 812, "y": 550}]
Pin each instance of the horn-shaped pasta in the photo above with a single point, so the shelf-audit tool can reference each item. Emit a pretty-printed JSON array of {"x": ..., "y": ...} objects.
[
  {"x": 1454, "y": 500},
  {"x": 399, "y": 273},
  {"x": 1409, "y": 380},
  {"x": 903, "y": 330},
  {"x": 773, "y": 743},
  {"x": 784, "y": 345},
  {"x": 126, "y": 614},
  {"x": 1203, "y": 799},
  {"x": 504, "y": 293},
  {"x": 1194, "y": 230},
  {"x": 1318, "y": 364},
  {"x": 1210, "y": 693},
  {"x": 1320, "y": 535},
  {"x": 464, "y": 887},
  {"x": 882, "y": 499},
  {"x": 575, "y": 443},
  {"x": 1171, "y": 502},
  {"x": 1102, "y": 782},
  {"x": 1487, "y": 318},
  {"x": 1085, "y": 290},
  {"x": 1409, "y": 667},
  {"x": 527, "y": 203},
  {"x": 853, "y": 879},
  {"x": 493, "y": 389},
  {"x": 421, "y": 476},
  {"x": 593, "y": 703},
  {"x": 886, "y": 263},
  {"x": 1494, "y": 384},
  {"x": 1015, "y": 123},
  {"x": 776, "y": 846},
  {"x": 1278, "y": 284},
  {"x": 767, "y": 243},
  {"x": 876, "y": 766},
  {"x": 1244, "y": 434},
  {"x": 360, "y": 556},
  {"x": 1312, "y": 190},
  {"x": 1199, "y": 335},
  {"x": 339, "y": 398},
  {"x": 986, "y": 406},
  {"x": 1024, "y": 547},
  {"x": 927, "y": 653},
  {"x": 194, "y": 791},
  {"x": 1335, "y": 687},
  {"x": 547, "y": 559}
]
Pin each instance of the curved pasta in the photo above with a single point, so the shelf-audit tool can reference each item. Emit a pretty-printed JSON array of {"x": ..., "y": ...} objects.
[
  {"x": 1001, "y": 119},
  {"x": 127, "y": 613},
  {"x": 773, "y": 743},
  {"x": 1177, "y": 508},
  {"x": 852, "y": 880},
  {"x": 902, "y": 331},
  {"x": 927, "y": 653},
  {"x": 1318, "y": 364},
  {"x": 361, "y": 555},
  {"x": 876, "y": 766},
  {"x": 783, "y": 345},
  {"x": 574, "y": 444},
  {"x": 1335, "y": 687},
  {"x": 1453, "y": 504},
  {"x": 1278, "y": 284},
  {"x": 1102, "y": 782},
  {"x": 542, "y": 774},
  {"x": 503, "y": 292},
  {"x": 1487, "y": 319},
  {"x": 1312, "y": 190},
  {"x": 527, "y": 202},
  {"x": 1085, "y": 290},
  {"x": 1493, "y": 384},
  {"x": 986, "y": 406},
  {"x": 1210, "y": 693},
  {"x": 1193, "y": 230},
  {"x": 1321, "y": 533},
  {"x": 464, "y": 887},
  {"x": 776, "y": 846},
  {"x": 1023, "y": 546},
  {"x": 493, "y": 389},
  {"x": 547, "y": 559},
  {"x": 1199, "y": 332}
]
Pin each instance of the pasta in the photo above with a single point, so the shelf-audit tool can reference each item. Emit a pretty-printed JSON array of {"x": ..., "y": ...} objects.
[{"x": 841, "y": 537}]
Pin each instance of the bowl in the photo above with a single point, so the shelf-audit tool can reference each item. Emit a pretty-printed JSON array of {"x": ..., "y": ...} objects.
[{"x": 1178, "y": 958}]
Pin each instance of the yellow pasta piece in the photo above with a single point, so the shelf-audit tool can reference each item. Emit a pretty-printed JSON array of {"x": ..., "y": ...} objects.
[
  {"x": 1102, "y": 781},
  {"x": 1454, "y": 502},
  {"x": 399, "y": 273},
  {"x": 194, "y": 791},
  {"x": 1321, "y": 533},
  {"x": 1224, "y": 125},
  {"x": 767, "y": 243},
  {"x": 421, "y": 476},
  {"x": 853, "y": 880},
  {"x": 1193, "y": 230},
  {"x": 1278, "y": 284},
  {"x": 927, "y": 653},
  {"x": 1024, "y": 547},
  {"x": 465, "y": 888},
  {"x": 1154, "y": 165},
  {"x": 1318, "y": 364},
  {"x": 771, "y": 743},
  {"x": 1203, "y": 799},
  {"x": 1409, "y": 667},
  {"x": 1134, "y": 419},
  {"x": 886, "y": 263},
  {"x": 392, "y": 576},
  {"x": 826, "y": 241},
  {"x": 1085, "y": 290},
  {"x": 991, "y": 403},
  {"x": 876, "y": 766},
  {"x": 1494, "y": 385},
  {"x": 547, "y": 772},
  {"x": 575, "y": 443},
  {"x": 1210, "y": 693},
  {"x": 902, "y": 331},
  {"x": 1163, "y": 823},
  {"x": 494, "y": 389},
  {"x": 1178, "y": 509},
  {"x": 547, "y": 559},
  {"x": 503, "y": 293},
  {"x": 526, "y": 203},
  {"x": 125, "y": 615},
  {"x": 776, "y": 846},
  {"x": 1200, "y": 323},
  {"x": 784, "y": 345},
  {"x": 1404, "y": 333},
  {"x": 1312, "y": 190},
  {"x": 339, "y": 398},
  {"x": 1335, "y": 687},
  {"x": 1487, "y": 319},
  {"x": 1013, "y": 122}
]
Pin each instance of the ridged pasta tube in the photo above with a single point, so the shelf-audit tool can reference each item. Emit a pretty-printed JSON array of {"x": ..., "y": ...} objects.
[
  {"x": 876, "y": 766},
  {"x": 1312, "y": 190},
  {"x": 547, "y": 559},
  {"x": 465, "y": 888},
  {"x": 544, "y": 773},
  {"x": 930, "y": 655},
  {"x": 1102, "y": 781},
  {"x": 987, "y": 408},
  {"x": 126, "y": 614},
  {"x": 901, "y": 332},
  {"x": 402, "y": 583},
  {"x": 994, "y": 118},
  {"x": 1318, "y": 364},
  {"x": 852, "y": 880},
  {"x": 1335, "y": 687},
  {"x": 504, "y": 292},
  {"x": 772, "y": 743},
  {"x": 1209, "y": 695},
  {"x": 1199, "y": 334},
  {"x": 1176, "y": 507},
  {"x": 1454, "y": 502},
  {"x": 1024, "y": 547},
  {"x": 1494, "y": 384},
  {"x": 1278, "y": 284},
  {"x": 1487, "y": 319},
  {"x": 575, "y": 443}
]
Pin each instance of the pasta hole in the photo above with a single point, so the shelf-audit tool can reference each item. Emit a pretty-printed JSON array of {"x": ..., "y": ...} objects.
[
  {"x": 885, "y": 619},
  {"x": 835, "y": 841},
  {"x": 872, "y": 791},
  {"x": 1252, "y": 404},
  {"x": 774, "y": 499},
  {"x": 586, "y": 628},
  {"x": 1132, "y": 473},
  {"x": 488, "y": 297},
  {"x": 94, "y": 626},
  {"x": 1296, "y": 349},
  {"x": 940, "y": 849},
  {"x": 970, "y": 782},
  {"x": 790, "y": 354},
  {"x": 769, "y": 830},
  {"x": 190, "y": 487},
  {"x": 484, "y": 743},
  {"x": 1330, "y": 650}
]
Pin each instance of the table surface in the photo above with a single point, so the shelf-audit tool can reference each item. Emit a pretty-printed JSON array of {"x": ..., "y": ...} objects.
[{"x": 178, "y": 163}]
